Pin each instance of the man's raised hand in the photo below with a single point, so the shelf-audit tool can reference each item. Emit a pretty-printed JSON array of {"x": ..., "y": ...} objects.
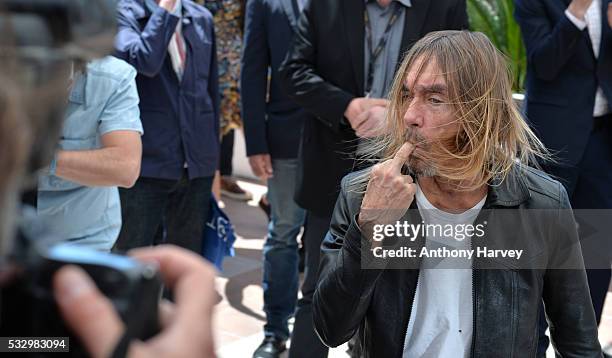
[{"x": 389, "y": 192}]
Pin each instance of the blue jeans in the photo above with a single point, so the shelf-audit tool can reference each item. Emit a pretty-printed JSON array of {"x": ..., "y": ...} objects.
[
  {"x": 178, "y": 206},
  {"x": 280, "y": 251}
]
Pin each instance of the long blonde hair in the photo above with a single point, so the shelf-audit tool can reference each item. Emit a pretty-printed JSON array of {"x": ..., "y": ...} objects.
[{"x": 492, "y": 135}]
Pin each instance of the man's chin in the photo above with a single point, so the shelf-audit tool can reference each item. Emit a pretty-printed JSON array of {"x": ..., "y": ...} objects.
[
  {"x": 420, "y": 170},
  {"x": 425, "y": 173}
]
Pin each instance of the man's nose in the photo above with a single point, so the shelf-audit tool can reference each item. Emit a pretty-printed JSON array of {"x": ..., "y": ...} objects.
[{"x": 414, "y": 115}]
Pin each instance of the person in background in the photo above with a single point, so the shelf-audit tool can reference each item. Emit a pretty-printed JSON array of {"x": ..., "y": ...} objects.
[
  {"x": 272, "y": 124},
  {"x": 569, "y": 103},
  {"x": 99, "y": 150},
  {"x": 339, "y": 69},
  {"x": 228, "y": 17},
  {"x": 172, "y": 46}
]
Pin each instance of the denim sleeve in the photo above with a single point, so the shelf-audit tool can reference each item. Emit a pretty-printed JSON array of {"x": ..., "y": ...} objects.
[{"x": 121, "y": 110}]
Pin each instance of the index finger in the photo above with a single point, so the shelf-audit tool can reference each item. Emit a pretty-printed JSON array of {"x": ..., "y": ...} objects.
[
  {"x": 402, "y": 156},
  {"x": 174, "y": 262}
]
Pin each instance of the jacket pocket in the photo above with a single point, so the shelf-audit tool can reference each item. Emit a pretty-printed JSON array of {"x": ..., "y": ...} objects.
[{"x": 201, "y": 56}]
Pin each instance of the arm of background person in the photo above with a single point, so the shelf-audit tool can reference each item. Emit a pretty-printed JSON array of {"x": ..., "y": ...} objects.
[
  {"x": 117, "y": 163},
  {"x": 146, "y": 48},
  {"x": 254, "y": 66},
  {"x": 549, "y": 45},
  {"x": 298, "y": 73}
]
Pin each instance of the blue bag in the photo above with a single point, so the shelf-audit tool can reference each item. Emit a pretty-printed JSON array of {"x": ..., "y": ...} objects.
[{"x": 218, "y": 236}]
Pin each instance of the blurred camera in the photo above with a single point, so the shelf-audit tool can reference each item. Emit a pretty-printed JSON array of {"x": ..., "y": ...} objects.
[{"x": 28, "y": 308}]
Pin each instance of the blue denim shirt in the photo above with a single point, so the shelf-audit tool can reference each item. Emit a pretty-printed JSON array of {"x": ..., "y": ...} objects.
[{"x": 102, "y": 100}]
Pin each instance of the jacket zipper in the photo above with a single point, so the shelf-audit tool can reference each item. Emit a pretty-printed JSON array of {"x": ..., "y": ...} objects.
[
  {"x": 475, "y": 281},
  {"x": 410, "y": 312},
  {"x": 474, "y": 305}
]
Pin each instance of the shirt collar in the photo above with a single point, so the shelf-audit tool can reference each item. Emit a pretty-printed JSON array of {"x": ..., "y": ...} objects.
[
  {"x": 177, "y": 11},
  {"x": 509, "y": 191},
  {"x": 406, "y": 3},
  {"x": 78, "y": 92}
]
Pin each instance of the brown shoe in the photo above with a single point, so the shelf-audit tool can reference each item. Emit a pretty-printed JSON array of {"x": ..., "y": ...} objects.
[{"x": 230, "y": 189}]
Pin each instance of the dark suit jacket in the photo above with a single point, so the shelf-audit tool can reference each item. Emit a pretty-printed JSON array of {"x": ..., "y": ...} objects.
[
  {"x": 180, "y": 118},
  {"x": 272, "y": 121},
  {"x": 563, "y": 76},
  {"x": 324, "y": 71}
]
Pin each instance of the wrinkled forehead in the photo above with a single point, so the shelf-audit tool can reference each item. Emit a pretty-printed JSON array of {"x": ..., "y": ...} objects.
[{"x": 425, "y": 75}]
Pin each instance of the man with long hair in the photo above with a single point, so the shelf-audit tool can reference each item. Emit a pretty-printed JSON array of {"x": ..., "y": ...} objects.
[
  {"x": 339, "y": 69},
  {"x": 455, "y": 149}
]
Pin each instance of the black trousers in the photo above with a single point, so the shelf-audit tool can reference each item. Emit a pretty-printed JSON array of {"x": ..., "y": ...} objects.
[
  {"x": 226, "y": 154},
  {"x": 151, "y": 205},
  {"x": 304, "y": 341}
]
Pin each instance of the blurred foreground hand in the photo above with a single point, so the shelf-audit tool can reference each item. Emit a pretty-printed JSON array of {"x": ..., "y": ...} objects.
[{"x": 186, "y": 324}]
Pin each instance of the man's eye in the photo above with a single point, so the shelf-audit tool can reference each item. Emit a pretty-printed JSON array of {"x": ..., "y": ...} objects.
[
  {"x": 406, "y": 95},
  {"x": 435, "y": 100}
]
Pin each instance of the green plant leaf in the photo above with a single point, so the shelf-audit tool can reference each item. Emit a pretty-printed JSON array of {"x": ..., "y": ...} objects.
[{"x": 495, "y": 18}]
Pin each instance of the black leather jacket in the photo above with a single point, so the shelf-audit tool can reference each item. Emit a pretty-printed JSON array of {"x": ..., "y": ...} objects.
[{"x": 375, "y": 303}]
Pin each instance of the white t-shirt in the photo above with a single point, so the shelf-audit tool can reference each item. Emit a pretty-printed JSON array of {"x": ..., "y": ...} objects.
[{"x": 440, "y": 323}]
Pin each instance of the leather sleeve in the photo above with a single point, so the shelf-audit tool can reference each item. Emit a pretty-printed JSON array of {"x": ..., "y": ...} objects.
[
  {"x": 345, "y": 289},
  {"x": 299, "y": 77},
  {"x": 567, "y": 301}
]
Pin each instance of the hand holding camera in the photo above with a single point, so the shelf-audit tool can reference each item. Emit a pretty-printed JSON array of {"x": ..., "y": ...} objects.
[{"x": 186, "y": 324}]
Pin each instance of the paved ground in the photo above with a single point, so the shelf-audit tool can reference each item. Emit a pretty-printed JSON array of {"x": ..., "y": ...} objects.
[{"x": 239, "y": 317}]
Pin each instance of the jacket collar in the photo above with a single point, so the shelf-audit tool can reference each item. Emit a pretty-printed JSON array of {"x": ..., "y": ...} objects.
[
  {"x": 78, "y": 92},
  {"x": 289, "y": 9},
  {"x": 414, "y": 20},
  {"x": 406, "y": 3},
  {"x": 147, "y": 7},
  {"x": 510, "y": 191}
]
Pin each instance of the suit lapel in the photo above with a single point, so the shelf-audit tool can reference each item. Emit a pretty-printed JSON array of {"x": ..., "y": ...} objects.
[
  {"x": 354, "y": 27},
  {"x": 287, "y": 6},
  {"x": 414, "y": 19},
  {"x": 191, "y": 38}
]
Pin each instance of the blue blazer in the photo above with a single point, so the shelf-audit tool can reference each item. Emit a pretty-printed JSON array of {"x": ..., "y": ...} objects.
[
  {"x": 180, "y": 118},
  {"x": 563, "y": 75},
  {"x": 272, "y": 121}
]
